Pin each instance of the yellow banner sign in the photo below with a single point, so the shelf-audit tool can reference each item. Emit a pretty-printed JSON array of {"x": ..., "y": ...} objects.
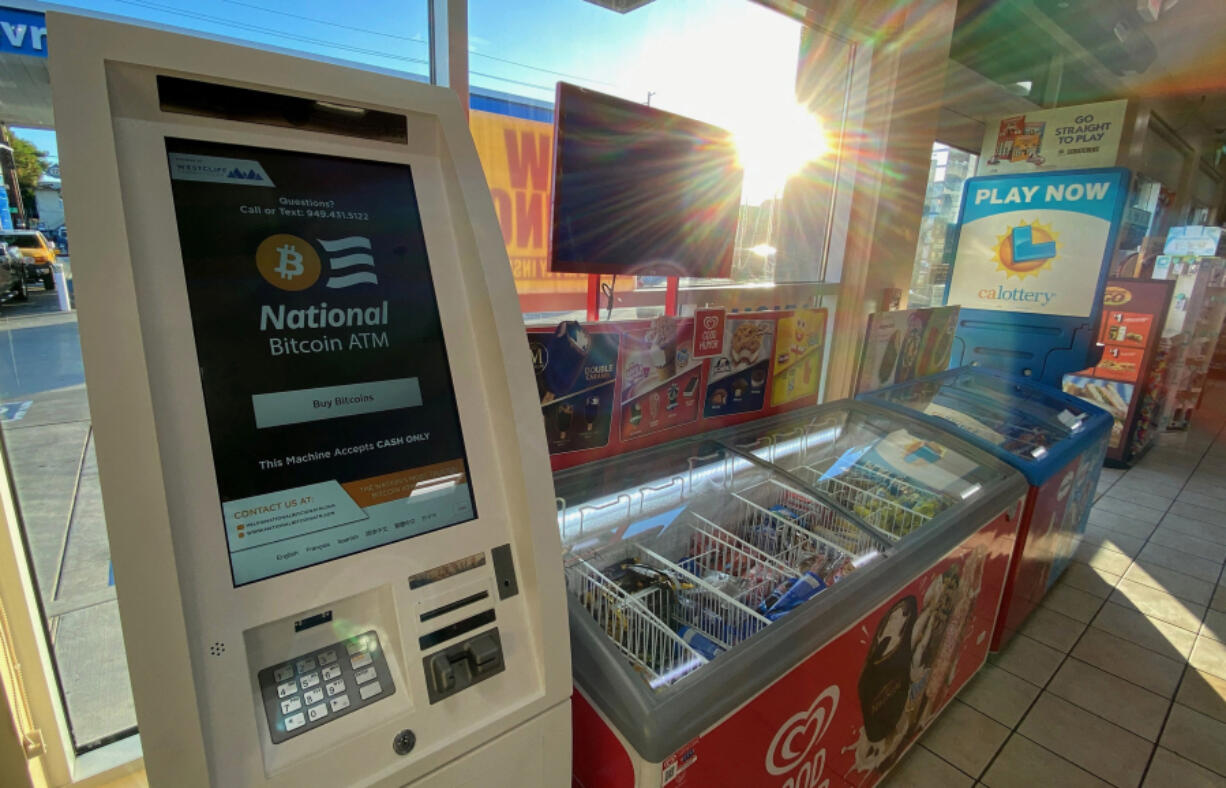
[{"x": 517, "y": 157}]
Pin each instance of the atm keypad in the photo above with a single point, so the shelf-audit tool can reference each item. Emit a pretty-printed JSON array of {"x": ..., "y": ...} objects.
[{"x": 313, "y": 689}]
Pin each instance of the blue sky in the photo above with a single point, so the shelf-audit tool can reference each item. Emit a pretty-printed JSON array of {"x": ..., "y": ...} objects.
[{"x": 727, "y": 62}]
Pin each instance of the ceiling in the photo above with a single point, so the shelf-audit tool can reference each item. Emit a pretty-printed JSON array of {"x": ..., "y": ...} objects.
[
  {"x": 1016, "y": 42},
  {"x": 1191, "y": 42}
]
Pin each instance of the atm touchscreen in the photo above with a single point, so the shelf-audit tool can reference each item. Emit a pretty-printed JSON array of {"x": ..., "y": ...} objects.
[{"x": 328, "y": 394}]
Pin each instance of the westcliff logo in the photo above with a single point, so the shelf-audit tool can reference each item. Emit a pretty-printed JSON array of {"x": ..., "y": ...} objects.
[{"x": 790, "y": 750}]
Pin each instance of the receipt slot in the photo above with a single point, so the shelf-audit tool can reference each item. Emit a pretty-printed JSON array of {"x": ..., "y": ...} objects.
[{"x": 326, "y": 486}]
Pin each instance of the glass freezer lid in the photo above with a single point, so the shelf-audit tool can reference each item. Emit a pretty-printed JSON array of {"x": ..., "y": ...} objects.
[
  {"x": 677, "y": 573},
  {"x": 682, "y": 552},
  {"x": 1023, "y": 420},
  {"x": 892, "y": 473}
]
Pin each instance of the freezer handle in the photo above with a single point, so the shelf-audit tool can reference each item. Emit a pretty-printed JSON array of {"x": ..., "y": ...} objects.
[{"x": 717, "y": 447}]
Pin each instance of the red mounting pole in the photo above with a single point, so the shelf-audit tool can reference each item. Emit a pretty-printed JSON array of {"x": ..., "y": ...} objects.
[
  {"x": 593, "y": 297},
  {"x": 670, "y": 295}
]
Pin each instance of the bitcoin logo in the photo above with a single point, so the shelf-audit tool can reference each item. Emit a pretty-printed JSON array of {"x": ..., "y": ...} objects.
[{"x": 287, "y": 262}]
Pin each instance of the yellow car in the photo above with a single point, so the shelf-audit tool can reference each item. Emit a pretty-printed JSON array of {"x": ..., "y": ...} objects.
[{"x": 34, "y": 246}]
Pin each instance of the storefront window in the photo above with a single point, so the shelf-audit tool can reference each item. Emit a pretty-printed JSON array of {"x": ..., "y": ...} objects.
[
  {"x": 947, "y": 173},
  {"x": 732, "y": 63},
  {"x": 44, "y": 415},
  {"x": 388, "y": 34}
]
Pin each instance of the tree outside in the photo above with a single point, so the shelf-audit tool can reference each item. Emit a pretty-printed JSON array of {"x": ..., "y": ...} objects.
[{"x": 30, "y": 163}]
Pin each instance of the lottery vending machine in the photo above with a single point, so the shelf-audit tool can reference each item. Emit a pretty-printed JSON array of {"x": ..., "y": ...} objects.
[{"x": 325, "y": 481}]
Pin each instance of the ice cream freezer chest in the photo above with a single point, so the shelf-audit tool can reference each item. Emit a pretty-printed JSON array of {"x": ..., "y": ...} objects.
[
  {"x": 1057, "y": 441},
  {"x": 781, "y": 603}
]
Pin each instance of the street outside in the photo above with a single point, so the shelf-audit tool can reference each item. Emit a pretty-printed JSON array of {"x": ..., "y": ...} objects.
[{"x": 49, "y": 441}]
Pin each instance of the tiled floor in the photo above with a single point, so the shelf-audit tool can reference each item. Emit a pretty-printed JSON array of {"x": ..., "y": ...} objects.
[{"x": 1120, "y": 677}]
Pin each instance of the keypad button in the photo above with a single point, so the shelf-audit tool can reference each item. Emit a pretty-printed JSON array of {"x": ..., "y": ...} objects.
[
  {"x": 356, "y": 645},
  {"x": 331, "y": 672},
  {"x": 306, "y": 664},
  {"x": 365, "y": 674},
  {"x": 317, "y": 712},
  {"x": 370, "y": 690},
  {"x": 287, "y": 689},
  {"x": 309, "y": 680},
  {"x": 326, "y": 657},
  {"x": 290, "y": 706},
  {"x": 359, "y": 660},
  {"x": 283, "y": 673},
  {"x": 294, "y": 722},
  {"x": 313, "y": 696},
  {"x": 335, "y": 687},
  {"x": 339, "y": 702}
]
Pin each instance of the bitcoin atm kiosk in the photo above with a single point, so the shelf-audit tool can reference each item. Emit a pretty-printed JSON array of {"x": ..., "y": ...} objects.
[{"x": 325, "y": 479}]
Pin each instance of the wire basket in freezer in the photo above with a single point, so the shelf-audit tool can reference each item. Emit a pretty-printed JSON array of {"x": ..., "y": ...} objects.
[
  {"x": 883, "y": 500},
  {"x": 701, "y": 584}
]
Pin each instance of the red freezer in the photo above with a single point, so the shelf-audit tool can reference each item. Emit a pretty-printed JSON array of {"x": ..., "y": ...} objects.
[{"x": 782, "y": 603}]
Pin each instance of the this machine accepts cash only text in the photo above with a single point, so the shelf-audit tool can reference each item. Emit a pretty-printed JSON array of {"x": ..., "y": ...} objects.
[{"x": 315, "y": 426}]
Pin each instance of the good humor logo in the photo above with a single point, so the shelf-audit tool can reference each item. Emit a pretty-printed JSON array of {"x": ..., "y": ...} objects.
[
  {"x": 796, "y": 739},
  {"x": 218, "y": 169}
]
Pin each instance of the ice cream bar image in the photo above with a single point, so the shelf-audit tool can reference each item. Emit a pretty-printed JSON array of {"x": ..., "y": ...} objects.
[{"x": 568, "y": 348}]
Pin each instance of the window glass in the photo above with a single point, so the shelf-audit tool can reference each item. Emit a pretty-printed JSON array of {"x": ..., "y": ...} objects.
[
  {"x": 388, "y": 34},
  {"x": 947, "y": 173},
  {"x": 44, "y": 415},
  {"x": 732, "y": 63}
]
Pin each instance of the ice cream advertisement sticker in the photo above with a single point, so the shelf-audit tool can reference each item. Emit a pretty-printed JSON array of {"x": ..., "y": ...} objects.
[
  {"x": 660, "y": 377},
  {"x": 710, "y": 333},
  {"x": 737, "y": 381},
  {"x": 575, "y": 371}
]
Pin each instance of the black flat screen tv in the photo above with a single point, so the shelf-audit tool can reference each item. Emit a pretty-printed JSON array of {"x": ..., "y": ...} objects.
[{"x": 640, "y": 191}]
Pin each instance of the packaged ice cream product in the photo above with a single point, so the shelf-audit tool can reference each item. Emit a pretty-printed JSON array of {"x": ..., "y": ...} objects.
[
  {"x": 804, "y": 588},
  {"x": 700, "y": 642}
]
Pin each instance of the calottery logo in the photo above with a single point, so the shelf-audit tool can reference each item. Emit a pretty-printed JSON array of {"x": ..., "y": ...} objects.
[
  {"x": 288, "y": 262},
  {"x": 1116, "y": 296},
  {"x": 1026, "y": 249}
]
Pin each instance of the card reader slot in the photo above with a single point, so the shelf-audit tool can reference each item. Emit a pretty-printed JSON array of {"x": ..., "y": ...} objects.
[
  {"x": 456, "y": 605},
  {"x": 431, "y": 639},
  {"x": 209, "y": 99}
]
